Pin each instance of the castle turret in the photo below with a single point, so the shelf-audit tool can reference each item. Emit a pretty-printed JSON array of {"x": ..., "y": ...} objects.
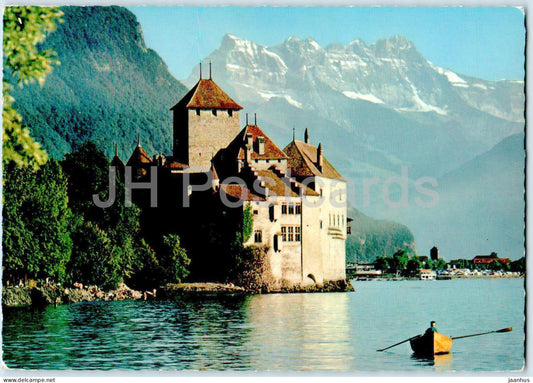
[{"x": 205, "y": 121}]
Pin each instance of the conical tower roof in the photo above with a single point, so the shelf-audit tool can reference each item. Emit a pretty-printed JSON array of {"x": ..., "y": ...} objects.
[{"x": 206, "y": 94}]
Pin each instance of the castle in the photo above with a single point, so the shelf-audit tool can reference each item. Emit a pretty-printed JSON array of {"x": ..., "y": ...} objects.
[{"x": 296, "y": 196}]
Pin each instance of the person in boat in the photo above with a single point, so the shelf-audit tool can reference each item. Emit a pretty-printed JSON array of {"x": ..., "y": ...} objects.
[{"x": 432, "y": 327}]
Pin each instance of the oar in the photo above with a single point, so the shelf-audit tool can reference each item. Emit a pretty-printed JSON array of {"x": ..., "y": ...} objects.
[
  {"x": 508, "y": 329},
  {"x": 403, "y": 341}
]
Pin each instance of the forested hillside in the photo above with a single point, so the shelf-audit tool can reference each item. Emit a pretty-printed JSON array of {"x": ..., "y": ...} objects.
[
  {"x": 108, "y": 88},
  {"x": 371, "y": 238}
]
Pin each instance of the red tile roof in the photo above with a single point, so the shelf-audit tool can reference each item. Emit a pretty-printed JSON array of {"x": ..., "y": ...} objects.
[
  {"x": 239, "y": 192},
  {"x": 237, "y": 148},
  {"x": 139, "y": 157},
  {"x": 303, "y": 162},
  {"x": 206, "y": 94},
  {"x": 278, "y": 187}
]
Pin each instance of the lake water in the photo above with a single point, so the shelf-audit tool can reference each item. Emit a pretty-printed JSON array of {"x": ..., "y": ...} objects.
[{"x": 279, "y": 332}]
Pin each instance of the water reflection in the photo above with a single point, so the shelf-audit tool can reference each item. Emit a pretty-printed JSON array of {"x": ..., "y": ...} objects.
[
  {"x": 443, "y": 362},
  {"x": 279, "y": 332},
  {"x": 300, "y": 332},
  {"x": 194, "y": 335}
]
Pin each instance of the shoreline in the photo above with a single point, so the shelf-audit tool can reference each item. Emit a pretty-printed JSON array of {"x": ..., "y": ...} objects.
[
  {"x": 26, "y": 296},
  {"x": 396, "y": 279}
]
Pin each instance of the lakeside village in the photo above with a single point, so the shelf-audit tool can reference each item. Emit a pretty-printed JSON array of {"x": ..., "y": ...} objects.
[
  {"x": 402, "y": 267},
  {"x": 229, "y": 213}
]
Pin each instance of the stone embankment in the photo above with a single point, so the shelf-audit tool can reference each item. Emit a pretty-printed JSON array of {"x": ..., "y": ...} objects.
[
  {"x": 22, "y": 296},
  {"x": 19, "y": 296}
]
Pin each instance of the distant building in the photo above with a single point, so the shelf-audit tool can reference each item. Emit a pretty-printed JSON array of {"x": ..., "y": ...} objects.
[
  {"x": 427, "y": 274},
  {"x": 434, "y": 253},
  {"x": 486, "y": 259}
]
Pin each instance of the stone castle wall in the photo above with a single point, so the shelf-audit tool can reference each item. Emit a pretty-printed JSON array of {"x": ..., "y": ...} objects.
[{"x": 208, "y": 133}]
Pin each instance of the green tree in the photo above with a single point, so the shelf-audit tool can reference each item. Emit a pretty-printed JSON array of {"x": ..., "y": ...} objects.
[
  {"x": 146, "y": 272},
  {"x": 23, "y": 62},
  {"x": 19, "y": 244},
  {"x": 88, "y": 173},
  {"x": 87, "y": 169},
  {"x": 438, "y": 264},
  {"x": 518, "y": 265},
  {"x": 50, "y": 220},
  {"x": 398, "y": 262},
  {"x": 247, "y": 223},
  {"x": 413, "y": 265},
  {"x": 382, "y": 263},
  {"x": 173, "y": 260},
  {"x": 94, "y": 260},
  {"x": 36, "y": 221}
]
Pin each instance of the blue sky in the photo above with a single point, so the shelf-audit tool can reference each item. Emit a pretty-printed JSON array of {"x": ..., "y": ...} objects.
[{"x": 485, "y": 42}]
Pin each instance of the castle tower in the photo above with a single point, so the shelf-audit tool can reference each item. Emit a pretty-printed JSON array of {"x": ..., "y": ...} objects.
[{"x": 205, "y": 121}]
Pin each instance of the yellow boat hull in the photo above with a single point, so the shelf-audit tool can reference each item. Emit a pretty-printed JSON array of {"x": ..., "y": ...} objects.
[{"x": 430, "y": 344}]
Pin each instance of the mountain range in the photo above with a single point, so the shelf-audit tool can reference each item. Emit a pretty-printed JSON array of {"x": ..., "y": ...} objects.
[
  {"x": 377, "y": 110},
  {"x": 382, "y": 111}
]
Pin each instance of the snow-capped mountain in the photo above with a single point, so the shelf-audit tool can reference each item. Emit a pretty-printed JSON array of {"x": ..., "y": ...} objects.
[
  {"x": 375, "y": 108},
  {"x": 372, "y": 92}
]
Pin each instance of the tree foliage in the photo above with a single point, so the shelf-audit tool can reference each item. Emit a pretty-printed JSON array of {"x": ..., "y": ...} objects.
[
  {"x": 94, "y": 260},
  {"x": 247, "y": 223},
  {"x": 108, "y": 88},
  {"x": 36, "y": 223},
  {"x": 24, "y": 63},
  {"x": 173, "y": 260},
  {"x": 115, "y": 230}
]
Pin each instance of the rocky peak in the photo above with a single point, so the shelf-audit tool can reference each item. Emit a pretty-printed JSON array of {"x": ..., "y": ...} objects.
[{"x": 396, "y": 47}]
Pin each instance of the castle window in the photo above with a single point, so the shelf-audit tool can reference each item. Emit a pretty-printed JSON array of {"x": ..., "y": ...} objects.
[
  {"x": 321, "y": 224},
  {"x": 298, "y": 208},
  {"x": 256, "y": 211},
  {"x": 230, "y": 112},
  {"x": 258, "y": 236},
  {"x": 197, "y": 111},
  {"x": 284, "y": 208},
  {"x": 214, "y": 111},
  {"x": 291, "y": 234},
  {"x": 291, "y": 208}
]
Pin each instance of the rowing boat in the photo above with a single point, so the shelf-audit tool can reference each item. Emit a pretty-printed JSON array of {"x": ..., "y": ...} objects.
[{"x": 431, "y": 343}]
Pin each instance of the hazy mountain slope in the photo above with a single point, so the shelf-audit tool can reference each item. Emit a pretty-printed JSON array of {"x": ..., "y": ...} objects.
[
  {"x": 108, "y": 88},
  {"x": 481, "y": 206}
]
